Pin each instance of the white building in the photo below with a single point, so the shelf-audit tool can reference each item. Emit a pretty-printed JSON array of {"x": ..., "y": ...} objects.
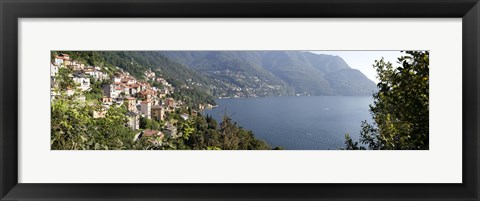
[
  {"x": 133, "y": 120},
  {"x": 116, "y": 79},
  {"x": 82, "y": 81},
  {"x": 98, "y": 75},
  {"x": 53, "y": 70},
  {"x": 58, "y": 61},
  {"x": 146, "y": 109},
  {"x": 110, "y": 91}
]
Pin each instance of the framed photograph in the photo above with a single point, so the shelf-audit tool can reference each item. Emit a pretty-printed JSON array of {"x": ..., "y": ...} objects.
[{"x": 239, "y": 100}]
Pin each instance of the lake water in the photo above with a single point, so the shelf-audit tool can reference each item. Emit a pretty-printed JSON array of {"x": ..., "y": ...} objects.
[{"x": 299, "y": 123}]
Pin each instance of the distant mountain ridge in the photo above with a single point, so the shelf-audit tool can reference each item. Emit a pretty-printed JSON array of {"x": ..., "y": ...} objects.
[
  {"x": 284, "y": 72},
  {"x": 213, "y": 74}
]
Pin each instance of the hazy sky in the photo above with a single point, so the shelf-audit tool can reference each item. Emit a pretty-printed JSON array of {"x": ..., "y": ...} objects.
[{"x": 363, "y": 60}]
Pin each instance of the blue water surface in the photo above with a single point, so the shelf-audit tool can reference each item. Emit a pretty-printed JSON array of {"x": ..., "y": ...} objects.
[{"x": 298, "y": 123}]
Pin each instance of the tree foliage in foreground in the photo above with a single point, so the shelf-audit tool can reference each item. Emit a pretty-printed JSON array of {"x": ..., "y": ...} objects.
[
  {"x": 203, "y": 133},
  {"x": 400, "y": 109},
  {"x": 73, "y": 128}
]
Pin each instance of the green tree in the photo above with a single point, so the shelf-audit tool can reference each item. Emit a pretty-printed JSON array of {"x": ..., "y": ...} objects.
[
  {"x": 63, "y": 79},
  {"x": 150, "y": 124},
  {"x": 237, "y": 138},
  {"x": 400, "y": 110},
  {"x": 96, "y": 90},
  {"x": 74, "y": 128},
  {"x": 188, "y": 128}
]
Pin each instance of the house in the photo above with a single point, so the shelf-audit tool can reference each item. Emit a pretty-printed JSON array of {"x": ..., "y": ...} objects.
[
  {"x": 146, "y": 94},
  {"x": 76, "y": 65},
  {"x": 95, "y": 73},
  {"x": 82, "y": 81},
  {"x": 170, "y": 102},
  {"x": 58, "y": 61},
  {"x": 158, "y": 113},
  {"x": 62, "y": 59},
  {"x": 101, "y": 75},
  {"x": 126, "y": 80},
  {"x": 131, "y": 81},
  {"x": 126, "y": 90},
  {"x": 171, "y": 131},
  {"x": 53, "y": 70},
  {"x": 131, "y": 104},
  {"x": 116, "y": 79},
  {"x": 106, "y": 100},
  {"x": 109, "y": 91},
  {"x": 90, "y": 71},
  {"x": 133, "y": 120},
  {"x": 133, "y": 89},
  {"x": 146, "y": 108}
]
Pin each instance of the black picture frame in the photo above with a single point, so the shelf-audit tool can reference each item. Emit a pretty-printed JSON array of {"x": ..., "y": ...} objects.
[{"x": 12, "y": 10}]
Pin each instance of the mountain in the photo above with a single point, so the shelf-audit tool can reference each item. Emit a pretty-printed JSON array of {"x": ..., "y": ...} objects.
[
  {"x": 277, "y": 72},
  {"x": 241, "y": 74},
  {"x": 204, "y": 75}
]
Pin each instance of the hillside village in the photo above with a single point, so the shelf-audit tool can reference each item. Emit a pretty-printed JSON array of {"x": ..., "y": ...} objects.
[{"x": 120, "y": 89}]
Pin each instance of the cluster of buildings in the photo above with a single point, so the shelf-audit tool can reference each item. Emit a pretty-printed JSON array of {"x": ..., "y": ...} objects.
[
  {"x": 81, "y": 74},
  {"x": 253, "y": 85},
  {"x": 139, "y": 97}
]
